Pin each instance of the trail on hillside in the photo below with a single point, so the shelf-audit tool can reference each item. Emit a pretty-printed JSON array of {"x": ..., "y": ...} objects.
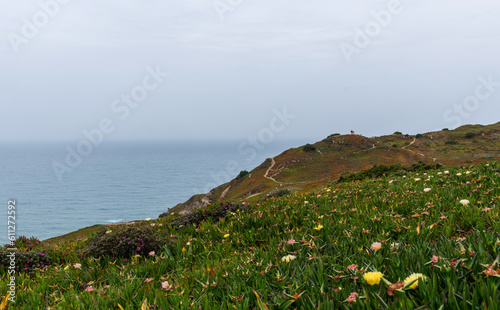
[
  {"x": 411, "y": 143},
  {"x": 273, "y": 162}
]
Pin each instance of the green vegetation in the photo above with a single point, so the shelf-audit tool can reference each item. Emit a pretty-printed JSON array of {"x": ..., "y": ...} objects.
[
  {"x": 278, "y": 193},
  {"x": 309, "y": 148},
  {"x": 334, "y": 135},
  {"x": 429, "y": 240},
  {"x": 397, "y": 133},
  {"x": 242, "y": 174},
  {"x": 419, "y": 136},
  {"x": 451, "y": 142},
  {"x": 379, "y": 171},
  {"x": 470, "y": 135}
]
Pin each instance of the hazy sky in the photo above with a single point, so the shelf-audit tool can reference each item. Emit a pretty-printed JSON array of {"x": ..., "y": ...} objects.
[{"x": 368, "y": 65}]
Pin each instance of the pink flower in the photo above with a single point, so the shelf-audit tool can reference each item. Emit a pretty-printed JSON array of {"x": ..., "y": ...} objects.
[
  {"x": 77, "y": 265},
  {"x": 291, "y": 241},
  {"x": 352, "y": 297},
  {"x": 89, "y": 289},
  {"x": 376, "y": 246},
  {"x": 152, "y": 253},
  {"x": 435, "y": 259},
  {"x": 167, "y": 286},
  {"x": 352, "y": 267}
]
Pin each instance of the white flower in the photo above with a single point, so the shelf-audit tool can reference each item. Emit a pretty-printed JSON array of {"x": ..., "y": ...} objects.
[
  {"x": 427, "y": 189},
  {"x": 464, "y": 202},
  {"x": 446, "y": 172},
  {"x": 288, "y": 258},
  {"x": 417, "y": 179}
]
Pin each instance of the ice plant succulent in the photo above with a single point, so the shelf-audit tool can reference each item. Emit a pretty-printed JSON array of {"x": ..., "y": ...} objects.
[
  {"x": 373, "y": 278},
  {"x": 288, "y": 258},
  {"x": 464, "y": 202},
  {"x": 412, "y": 277},
  {"x": 319, "y": 227},
  {"x": 376, "y": 246},
  {"x": 352, "y": 297}
]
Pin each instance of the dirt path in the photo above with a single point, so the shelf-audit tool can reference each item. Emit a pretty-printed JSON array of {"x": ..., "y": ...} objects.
[
  {"x": 411, "y": 143},
  {"x": 266, "y": 175}
]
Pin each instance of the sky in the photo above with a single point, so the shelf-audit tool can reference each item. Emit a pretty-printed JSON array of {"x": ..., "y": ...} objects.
[{"x": 231, "y": 69}]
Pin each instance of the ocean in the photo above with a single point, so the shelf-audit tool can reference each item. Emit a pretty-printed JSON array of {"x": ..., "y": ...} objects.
[{"x": 116, "y": 182}]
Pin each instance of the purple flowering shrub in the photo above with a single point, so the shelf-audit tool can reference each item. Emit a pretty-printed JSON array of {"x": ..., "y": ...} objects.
[
  {"x": 25, "y": 261},
  {"x": 124, "y": 242}
]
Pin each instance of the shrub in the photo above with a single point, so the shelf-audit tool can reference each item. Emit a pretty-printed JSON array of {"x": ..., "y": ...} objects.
[
  {"x": 242, "y": 174},
  {"x": 470, "y": 135},
  {"x": 378, "y": 171},
  {"x": 394, "y": 145},
  {"x": 333, "y": 135},
  {"x": 213, "y": 214},
  {"x": 451, "y": 142},
  {"x": 26, "y": 243},
  {"x": 419, "y": 136},
  {"x": 278, "y": 193},
  {"x": 309, "y": 148},
  {"x": 398, "y": 133},
  {"x": 124, "y": 242},
  {"x": 25, "y": 261},
  {"x": 445, "y": 129}
]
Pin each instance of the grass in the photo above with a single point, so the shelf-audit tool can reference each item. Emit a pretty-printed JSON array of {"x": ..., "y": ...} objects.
[{"x": 304, "y": 251}]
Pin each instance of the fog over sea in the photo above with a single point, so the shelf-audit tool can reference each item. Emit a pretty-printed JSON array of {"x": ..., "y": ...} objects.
[{"x": 117, "y": 182}]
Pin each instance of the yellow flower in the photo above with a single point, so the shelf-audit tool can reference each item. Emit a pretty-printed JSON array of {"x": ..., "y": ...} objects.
[
  {"x": 373, "y": 278},
  {"x": 415, "y": 276},
  {"x": 148, "y": 219},
  {"x": 319, "y": 227},
  {"x": 4, "y": 302},
  {"x": 183, "y": 249},
  {"x": 226, "y": 236}
]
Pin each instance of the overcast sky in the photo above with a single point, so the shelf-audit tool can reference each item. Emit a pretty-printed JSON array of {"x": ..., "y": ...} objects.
[{"x": 367, "y": 65}]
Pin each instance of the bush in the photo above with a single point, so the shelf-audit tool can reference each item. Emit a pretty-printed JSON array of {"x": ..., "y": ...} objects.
[
  {"x": 213, "y": 214},
  {"x": 278, "y": 193},
  {"x": 419, "y": 136},
  {"x": 25, "y": 261},
  {"x": 398, "y": 133},
  {"x": 378, "y": 171},
  {"x": 242, "y": 174},
  {"x": 26, "y": 243},
  {"x": 470, "y": 135},
  {"x": 309, "y": 148},
  {"x": 333, "y": 135},
  {"x": 124, "y": 242},
  {"x": 451, "y": 142},
  {"x": 445, "y": 129}
]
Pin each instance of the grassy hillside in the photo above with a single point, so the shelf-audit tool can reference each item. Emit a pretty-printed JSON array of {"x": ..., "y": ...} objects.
[
  {"x": 427, "y": 240},
  {"x": 301, "y": 170}
]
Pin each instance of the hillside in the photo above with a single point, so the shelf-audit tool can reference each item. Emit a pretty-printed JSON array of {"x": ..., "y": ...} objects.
[
  {"x": 299, "y": 170},
  {"x": 426, "y": 240}
]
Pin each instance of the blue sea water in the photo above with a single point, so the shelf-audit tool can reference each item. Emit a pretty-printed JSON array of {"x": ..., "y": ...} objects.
[{"x": 116, "y": 182}]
